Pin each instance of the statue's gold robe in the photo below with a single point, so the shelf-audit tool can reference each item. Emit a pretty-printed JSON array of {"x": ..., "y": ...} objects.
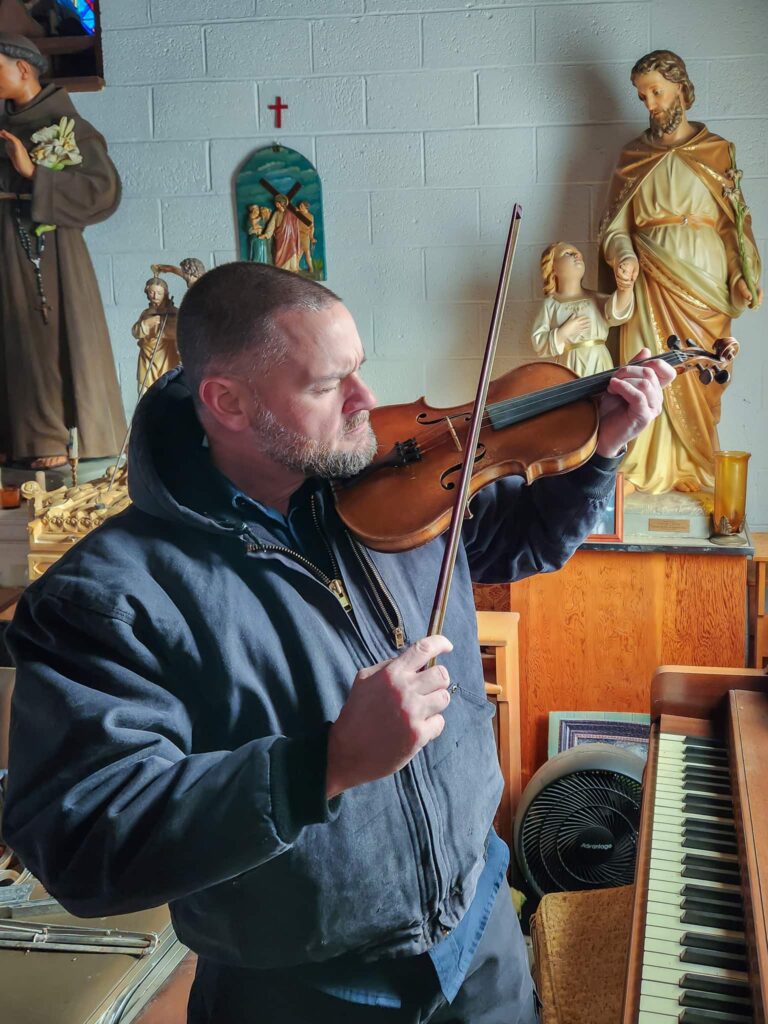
[
  {"x": 667, "y": 207},
  {"x": 157, "y": 351}
]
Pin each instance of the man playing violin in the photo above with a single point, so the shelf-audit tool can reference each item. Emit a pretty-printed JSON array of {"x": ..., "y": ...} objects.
[{"x": 240, "y": 715}]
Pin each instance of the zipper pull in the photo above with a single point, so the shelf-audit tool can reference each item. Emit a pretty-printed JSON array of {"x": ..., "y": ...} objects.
[
  {"x": 337, "y": 589},
  {"x": 399, "y": 634}
]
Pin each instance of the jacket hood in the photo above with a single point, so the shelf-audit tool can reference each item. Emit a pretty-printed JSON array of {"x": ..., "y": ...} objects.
[{"x": 170, "y": 474}]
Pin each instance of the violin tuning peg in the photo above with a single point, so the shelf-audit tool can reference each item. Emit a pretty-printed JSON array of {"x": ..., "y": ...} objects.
[
  {"x": 722, "y": 377},
  {"x": 673, "y": 343},
  {"x": 706, "y": 376}
]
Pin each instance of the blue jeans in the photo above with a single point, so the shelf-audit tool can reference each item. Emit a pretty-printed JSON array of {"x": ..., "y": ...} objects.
[{"x": 497, "y": 990}]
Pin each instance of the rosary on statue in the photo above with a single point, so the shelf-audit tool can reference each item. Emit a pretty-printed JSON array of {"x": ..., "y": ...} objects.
[{"x": 35, "y": 259}]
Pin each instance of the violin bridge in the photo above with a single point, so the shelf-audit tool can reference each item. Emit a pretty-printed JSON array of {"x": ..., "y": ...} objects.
[{"x": 453, "y": 433}]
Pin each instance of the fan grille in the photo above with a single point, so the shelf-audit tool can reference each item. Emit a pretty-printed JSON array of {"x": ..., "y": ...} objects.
[{"x": 580, "y": 832}]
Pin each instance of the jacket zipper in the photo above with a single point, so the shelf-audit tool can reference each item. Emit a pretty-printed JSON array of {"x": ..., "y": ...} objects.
[
  {"x": 335, "y": 586},
  {"x": 393, "y": 618},
  {"x": 381, "y": 594}
]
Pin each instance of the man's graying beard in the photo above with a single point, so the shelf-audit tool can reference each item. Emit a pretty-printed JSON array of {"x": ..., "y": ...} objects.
[
  {"x": 313, "y": 458},
  {"x": 667, "y": 121}
]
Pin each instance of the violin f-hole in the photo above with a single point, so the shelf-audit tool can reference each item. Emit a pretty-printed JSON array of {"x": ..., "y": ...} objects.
[{"x": 445, "y": 477}]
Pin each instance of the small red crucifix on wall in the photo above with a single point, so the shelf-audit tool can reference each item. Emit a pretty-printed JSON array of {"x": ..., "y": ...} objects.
[{"x": 278, "y": 106}]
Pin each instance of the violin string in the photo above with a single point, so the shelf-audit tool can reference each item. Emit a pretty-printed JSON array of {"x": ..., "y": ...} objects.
[{"x": 526, "y": 406}]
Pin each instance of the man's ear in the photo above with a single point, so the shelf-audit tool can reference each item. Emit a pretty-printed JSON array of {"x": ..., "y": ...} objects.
[{"x": 228, "y": 400}]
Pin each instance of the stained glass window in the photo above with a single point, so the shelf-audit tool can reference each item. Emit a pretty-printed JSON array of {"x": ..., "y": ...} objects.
[{"x": 83, "y": 10}]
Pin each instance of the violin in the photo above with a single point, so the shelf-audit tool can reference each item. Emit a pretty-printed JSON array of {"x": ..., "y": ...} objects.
[{"x": 540, "y": 419}]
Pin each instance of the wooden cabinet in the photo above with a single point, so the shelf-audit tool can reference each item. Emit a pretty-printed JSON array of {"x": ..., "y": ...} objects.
[
  {"x": 498, "y": 635},
  {"x": 593, "y": 634}
]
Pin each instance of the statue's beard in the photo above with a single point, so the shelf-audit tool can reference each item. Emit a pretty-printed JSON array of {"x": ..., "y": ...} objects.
[
  {"x": 665, "y": 122},
  {"x": 314, "y": 458}
]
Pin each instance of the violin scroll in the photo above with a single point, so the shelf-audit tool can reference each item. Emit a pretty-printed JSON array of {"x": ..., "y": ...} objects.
[{"x": 710, "y": 366}]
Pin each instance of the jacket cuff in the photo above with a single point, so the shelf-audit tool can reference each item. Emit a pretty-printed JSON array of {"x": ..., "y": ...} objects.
[
  {"x": 594, "y": 481},
  {"x": 612, "y": 463},
  {"x": 297, "y": 784}
]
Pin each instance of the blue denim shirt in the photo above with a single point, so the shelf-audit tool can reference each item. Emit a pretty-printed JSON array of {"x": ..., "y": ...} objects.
[{"x": 375, "y": 984}]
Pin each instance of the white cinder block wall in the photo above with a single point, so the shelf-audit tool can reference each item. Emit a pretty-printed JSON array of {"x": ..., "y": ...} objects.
[{"x": 426, "y": 120}]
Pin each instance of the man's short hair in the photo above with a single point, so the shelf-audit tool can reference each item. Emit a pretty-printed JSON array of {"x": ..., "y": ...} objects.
[
  {"x": 227, "y": 319},
  {"x": 669, "y": 66}
]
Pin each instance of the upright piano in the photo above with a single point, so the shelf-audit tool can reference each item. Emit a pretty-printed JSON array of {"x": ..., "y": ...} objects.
[{"x": 699, "y": 945}]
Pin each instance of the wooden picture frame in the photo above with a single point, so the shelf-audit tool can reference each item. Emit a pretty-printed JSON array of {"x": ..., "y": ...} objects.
[{"x": 611, "y": 526}]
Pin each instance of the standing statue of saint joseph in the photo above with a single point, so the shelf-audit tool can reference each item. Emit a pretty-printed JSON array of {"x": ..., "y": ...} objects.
[{"x": 672, "y": 228}]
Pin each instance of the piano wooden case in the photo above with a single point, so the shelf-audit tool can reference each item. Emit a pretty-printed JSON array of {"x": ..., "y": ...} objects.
[{"x": 699, "y": 943}]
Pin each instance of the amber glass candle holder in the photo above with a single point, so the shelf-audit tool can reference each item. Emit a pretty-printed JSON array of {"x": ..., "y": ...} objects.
[
  {"x": 730, "y": 492},
  {"x": 10, "y": 496}
]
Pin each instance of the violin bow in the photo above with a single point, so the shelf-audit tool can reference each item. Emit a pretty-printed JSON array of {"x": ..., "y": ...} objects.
[{"x": 460, "y": 505}]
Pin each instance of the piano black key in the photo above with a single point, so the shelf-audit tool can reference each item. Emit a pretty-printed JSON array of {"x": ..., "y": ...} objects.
[
  {"x": 695, "y": 804},
  {"x": 714, "y": 958},
  {"x": 711, "y": 875},
  {"x": 691, "y": 1016},
  {"x": 716, "y": 1001},
  {"x": 696, "y": 841},
  {"x": 697, "y": 831},
  {"x": 712, "y": 828},
  {"x": 720, "y": 896},
  {"x": 703, "y": 860},
  {"x": 702, "y": 832},
  {"x": 723, "y": 943},
  {"x": 704, "y": 983},
  {"x": 708, "y": 919},
  {"x": 703, "y": 791},
  {"x": 708, "y": 783},
  {"x": 710, "y": 869},
  {"x": 699, "y": 755},
  {"x": 710, "y": 752},
  {"x": 706, "y": 742}
]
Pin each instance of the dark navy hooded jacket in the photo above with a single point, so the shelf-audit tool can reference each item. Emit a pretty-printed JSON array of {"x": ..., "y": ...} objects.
[{"x": 176, "y": 672}]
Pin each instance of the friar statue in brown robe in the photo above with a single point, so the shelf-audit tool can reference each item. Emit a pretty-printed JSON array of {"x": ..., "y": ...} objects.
[{"x": 56, "y": 364}]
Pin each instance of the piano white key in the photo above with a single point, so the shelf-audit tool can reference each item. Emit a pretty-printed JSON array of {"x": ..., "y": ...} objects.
[
  {"x": 693, "y": 789},
  {"x": 672, "y": 972},
  {"x": 666, "y": 946},
  {"x": 657, "y": 924},
  {"x": 664, "y": 816},
  {"x": 668, "y": 844},
  {"x": 670, "y": 989},
  {"x": 677, "y": 825},
  {"x": 678, "y": 762},
  {"x": 665, "y": 873},
  {"x": 662, "y": 884},
  {"x": 676, "y": 805},
  {"x": 656, "y": 1012},
  {"x": 660, "y": 1005},
  {"x": 670, "y": 905}
]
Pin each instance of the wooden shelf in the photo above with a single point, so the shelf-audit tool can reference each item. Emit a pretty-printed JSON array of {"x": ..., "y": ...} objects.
[
  {"x": 91, "y": 83},
  {"x": 56, "y": 46}
]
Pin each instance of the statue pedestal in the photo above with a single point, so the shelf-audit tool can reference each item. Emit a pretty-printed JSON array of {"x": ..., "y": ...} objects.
[{"x": 672, "y": 516}]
